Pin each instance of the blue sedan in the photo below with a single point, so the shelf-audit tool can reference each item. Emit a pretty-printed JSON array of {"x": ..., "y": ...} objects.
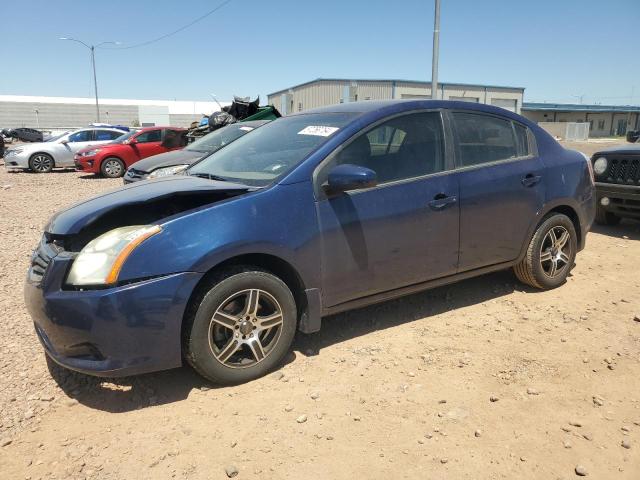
[{"x": 313, "y": 214}]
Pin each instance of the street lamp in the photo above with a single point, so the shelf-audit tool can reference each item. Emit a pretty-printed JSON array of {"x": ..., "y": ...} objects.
[{"x": 92, "y": 48}]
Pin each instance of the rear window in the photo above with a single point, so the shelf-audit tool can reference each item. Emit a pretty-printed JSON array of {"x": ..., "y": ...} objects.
[{"x": 521, "y": 139}]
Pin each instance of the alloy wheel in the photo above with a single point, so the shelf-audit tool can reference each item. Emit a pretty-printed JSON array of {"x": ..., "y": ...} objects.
[
  {"x": 245, "y": 328},
  {"x": 555, "y": 251},
  {"x": 113, "y": 168},
  {"x": 41, "y": 163}
]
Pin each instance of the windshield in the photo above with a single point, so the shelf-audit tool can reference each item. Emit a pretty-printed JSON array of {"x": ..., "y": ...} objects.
[
  {"x": 218, "y": 139},
  {"x": 56, "y": 137},
  {"x": 272, "y": 150},
  {"x": 124, "y": 137}
]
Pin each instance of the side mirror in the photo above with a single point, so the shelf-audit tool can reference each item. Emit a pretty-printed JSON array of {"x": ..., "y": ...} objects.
[
  {"x": 132, "y": 141},
  {"x": 346, "y": 177},
  {"x": 64, "y": 142}
]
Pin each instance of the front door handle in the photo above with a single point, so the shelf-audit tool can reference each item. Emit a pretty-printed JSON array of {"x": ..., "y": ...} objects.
[
  {"x": 442, "y": 201},
  {"x": 530, "y": 180}
]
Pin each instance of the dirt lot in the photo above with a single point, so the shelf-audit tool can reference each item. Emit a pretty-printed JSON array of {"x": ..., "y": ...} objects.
[{"x": 483, "y": 379}]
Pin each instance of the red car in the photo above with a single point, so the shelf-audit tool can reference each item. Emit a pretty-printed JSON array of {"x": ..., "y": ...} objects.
[{"x": 112, "y": 159}]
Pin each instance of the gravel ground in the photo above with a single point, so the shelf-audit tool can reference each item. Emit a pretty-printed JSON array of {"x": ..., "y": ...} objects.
[{"x": 482, "y": 376}]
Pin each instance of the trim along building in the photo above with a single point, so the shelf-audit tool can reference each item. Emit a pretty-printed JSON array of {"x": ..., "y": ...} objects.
[
  {"x": 329, "y": 91},
  {"x": 604, "y": 120},
  {"x": 66, "y": 113}
]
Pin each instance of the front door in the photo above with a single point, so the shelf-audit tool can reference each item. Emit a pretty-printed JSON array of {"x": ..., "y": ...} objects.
[
  {"x": 501, "y": 188},
  {"x": 402, "y": 232},
  {"x": 148, "y": 143},
  {"x": 65, "y": 152}
]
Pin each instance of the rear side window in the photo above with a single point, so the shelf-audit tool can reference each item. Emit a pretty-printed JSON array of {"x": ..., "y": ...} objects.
[
  {"x": 521, "y": 139},
  {"x": 484, "y": 139},
  {"x": 107, "y": 135},
  {"x": 150, "y": 136},
  {"x": 82, "y": 136}
]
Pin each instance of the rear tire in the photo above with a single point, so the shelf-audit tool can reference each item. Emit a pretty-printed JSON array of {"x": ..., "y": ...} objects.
[
  {"x": 240, "y": 326},
  {"x": 550, "y": 255},
  {"x": 606, "y": 218},
  {"x": 41, "y": 163},
  {"x": 112, "y": 167}
]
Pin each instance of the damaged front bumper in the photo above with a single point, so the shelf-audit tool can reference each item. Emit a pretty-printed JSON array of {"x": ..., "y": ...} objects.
[{"x": 119, "y": 331}]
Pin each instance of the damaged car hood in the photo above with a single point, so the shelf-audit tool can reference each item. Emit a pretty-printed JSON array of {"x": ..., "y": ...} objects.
[
  {"x": 141, "y": 203},
  {"x": 168, "y": 159}
]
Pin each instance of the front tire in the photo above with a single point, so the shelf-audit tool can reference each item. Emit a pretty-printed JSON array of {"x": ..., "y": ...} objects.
[
  {"x": 606, "y": 218},
  {"x": 240, "y": 327},
  {"x": 112, "y": 167},
  {"x": 41, "y": 163},
  {"x": 550, "y": 255}
]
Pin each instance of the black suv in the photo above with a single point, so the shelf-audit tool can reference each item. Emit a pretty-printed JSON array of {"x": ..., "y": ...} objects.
[{"x": 617, "y": 174}]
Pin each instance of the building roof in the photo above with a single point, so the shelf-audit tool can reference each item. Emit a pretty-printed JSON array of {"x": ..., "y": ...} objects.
[
  {"x": 392, "y": 80},
  {"x": 174, "y": 106},
  {"x": 572, "y": 107}
]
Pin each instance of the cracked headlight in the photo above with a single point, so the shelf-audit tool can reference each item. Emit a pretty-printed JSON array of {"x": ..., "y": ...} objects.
[
  {"x": 100, "y": 261},
  {"x": 165, "y": 172}
]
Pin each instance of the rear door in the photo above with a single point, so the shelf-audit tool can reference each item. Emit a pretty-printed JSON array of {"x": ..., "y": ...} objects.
[
  {"x": 403, "y": 231},
  {"x": 501, "y": 187},
  {"x": 76, "y": 142}
]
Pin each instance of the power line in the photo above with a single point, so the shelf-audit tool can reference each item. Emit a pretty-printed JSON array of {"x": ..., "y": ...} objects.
[{"x": 184, "y": 27}]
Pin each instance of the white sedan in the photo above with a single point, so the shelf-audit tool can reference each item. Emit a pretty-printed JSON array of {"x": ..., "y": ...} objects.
[{"x": 58, "y": 151}]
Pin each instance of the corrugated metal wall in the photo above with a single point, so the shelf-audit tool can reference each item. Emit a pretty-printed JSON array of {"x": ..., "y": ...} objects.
[{"x": 330, "y": 92}]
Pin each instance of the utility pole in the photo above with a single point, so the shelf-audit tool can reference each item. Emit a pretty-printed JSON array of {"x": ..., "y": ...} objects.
[
  {"x": 92, "y": 49},
  {"x": 436, "y": 48}
]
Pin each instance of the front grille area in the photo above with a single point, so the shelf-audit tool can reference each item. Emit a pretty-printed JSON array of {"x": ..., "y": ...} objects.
[
  {"x": 41, "y": 258},
  {"x": 622, "y": 170}
]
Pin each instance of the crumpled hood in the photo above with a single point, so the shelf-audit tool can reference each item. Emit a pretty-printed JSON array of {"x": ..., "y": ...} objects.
[
  {"x": 168, "y": 159},
  {"x": 142, "y": 202}
]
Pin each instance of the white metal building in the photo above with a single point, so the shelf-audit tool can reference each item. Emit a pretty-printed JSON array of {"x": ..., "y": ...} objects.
[
  {"x": 65, "y": 113},
  {"x": 604, "y": 120},
  {"x": 329, "y": 91}
]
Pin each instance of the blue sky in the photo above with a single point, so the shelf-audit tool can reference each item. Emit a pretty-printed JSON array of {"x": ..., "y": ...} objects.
[{"x": 556, "y": 49}]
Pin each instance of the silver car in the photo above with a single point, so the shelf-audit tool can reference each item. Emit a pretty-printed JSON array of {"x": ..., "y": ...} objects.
[{"x": 58, "y": 151}]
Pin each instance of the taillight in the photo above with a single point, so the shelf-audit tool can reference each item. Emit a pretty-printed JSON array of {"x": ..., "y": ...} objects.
[{"x": 590, "y": 167}]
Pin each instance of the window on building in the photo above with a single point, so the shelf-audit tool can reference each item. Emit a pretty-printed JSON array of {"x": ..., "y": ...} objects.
[
  {"x": 465, "y": 99},
  {"x": 404, "y": 147},
  {"x": 299, "y": 106},
  {"x": 484, "y": 139},
  {"x": 600, "y": 124}
]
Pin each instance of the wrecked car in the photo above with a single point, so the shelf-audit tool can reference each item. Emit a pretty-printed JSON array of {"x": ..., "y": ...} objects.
[
  {"x": 316, "y": 213},
  {"x": 176, "y": 161}
]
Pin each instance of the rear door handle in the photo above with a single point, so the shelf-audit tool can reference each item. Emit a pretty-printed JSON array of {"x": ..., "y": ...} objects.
[
  {"x": 442, "y": 201},
  {"x": 530, "y": 180}
]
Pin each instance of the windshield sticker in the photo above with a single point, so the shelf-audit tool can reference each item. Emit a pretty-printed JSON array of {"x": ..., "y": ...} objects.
[
  {"x": 246, "y": 129},
  {"x": 318, "y": 130}
]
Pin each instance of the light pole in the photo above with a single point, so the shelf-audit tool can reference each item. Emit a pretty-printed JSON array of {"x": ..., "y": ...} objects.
[
  {"x": 92, "y": 49},
  {"x": 436, "y": 48}
]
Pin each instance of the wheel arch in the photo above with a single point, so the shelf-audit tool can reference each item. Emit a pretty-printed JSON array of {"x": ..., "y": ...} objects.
[
  {"x": 564, "y": 208},
  {"x": 271, "y": 263}
]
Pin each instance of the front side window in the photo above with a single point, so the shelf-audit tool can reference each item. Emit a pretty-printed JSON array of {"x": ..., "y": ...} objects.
[
  {"x": 404, "y": 147},
  {"x": 483, "y": 139},
  {"x": 272, "y": 150},
  {"x": 82, "y": 136},
  {"x": 149, "y": 136}
]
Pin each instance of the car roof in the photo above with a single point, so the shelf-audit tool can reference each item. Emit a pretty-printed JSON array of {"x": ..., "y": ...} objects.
[
  {"x": 157, "y": 127},
  {"x": 367, "y": 106},
  {"x": 252, "y": 123}
]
